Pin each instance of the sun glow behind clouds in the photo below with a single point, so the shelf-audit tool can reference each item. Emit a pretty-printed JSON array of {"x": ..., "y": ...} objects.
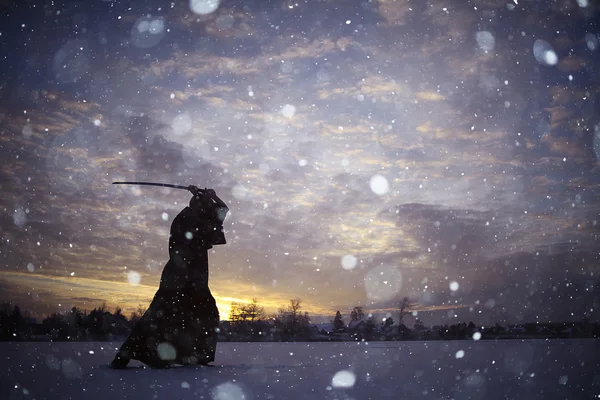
[
  {"x": 87, "y": 293},
  {"x": 129, "y": 294}
]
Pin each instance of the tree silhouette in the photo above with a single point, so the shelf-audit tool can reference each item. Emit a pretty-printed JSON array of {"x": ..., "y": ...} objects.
[
  {"x": 56, "y": 326},
  {"x": 137, "y": 315},
  {"x": 357, "y": 314},
  {"x": 246, "y": 312},
  {"x": 370, "y": 327},
  {"x": 419, "y": 325},
  {"x": 12, "y": 322},
  {"x": 388, "y": 322},
  {"x": 98, "y": 321},
  {"x": 247, "y": 320},
  {"x": 405, "y": 307},
  {"x": 338, "y": 322},
  {"x": 292, "y": 323},
  {"x": 118, "y": 322},
  {"x": 76, "y": 321}
]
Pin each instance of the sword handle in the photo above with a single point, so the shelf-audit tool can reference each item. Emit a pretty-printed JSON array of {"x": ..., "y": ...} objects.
[{"x": 195, "y": 190}]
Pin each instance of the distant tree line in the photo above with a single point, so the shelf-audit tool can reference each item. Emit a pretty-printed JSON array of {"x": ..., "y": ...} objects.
[
  {"x": 75, "y": 324},
  {"x": 247, "y": 322},
  {"x": 362, "y": 326},
  {"x": 250, "y": 322}
]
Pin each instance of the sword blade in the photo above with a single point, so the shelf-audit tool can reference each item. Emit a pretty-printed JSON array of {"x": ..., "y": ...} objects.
[{"x": 153, "y": 184}]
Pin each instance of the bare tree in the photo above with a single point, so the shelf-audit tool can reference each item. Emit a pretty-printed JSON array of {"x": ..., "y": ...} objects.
[
  {"x": 137, "y": 314},
  {"x": 292, "y": 312},
  {"x": 247, "y": 320},
  {"x": 291, "y": 320},
  {"x": 405, "y": 307},
  {"x": 246, "y": 312},
  {"x": 253, "y": 311},
  {"x": 235, "y": 312}
]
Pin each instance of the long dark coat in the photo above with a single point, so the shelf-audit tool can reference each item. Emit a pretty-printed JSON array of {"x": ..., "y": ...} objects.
[{"x": 180, "y": 325}]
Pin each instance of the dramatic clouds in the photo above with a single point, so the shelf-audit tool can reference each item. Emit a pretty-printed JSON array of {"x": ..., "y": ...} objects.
[{"x": 369, "y": 150}]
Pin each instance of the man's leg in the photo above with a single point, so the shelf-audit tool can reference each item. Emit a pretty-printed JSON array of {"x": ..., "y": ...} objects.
[{"x": 120, "y": 361}]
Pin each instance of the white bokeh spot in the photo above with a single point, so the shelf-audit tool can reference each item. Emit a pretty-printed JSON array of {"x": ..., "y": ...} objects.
[
  {"x": 204, "y": 7},
  {"x": 383, "y": 282},
  {"x": 182, "y": 124},
  {"x": 485, "y": 40},
  {"x": 544, "y": 53},
  {"x": 239, "y": 191},
  {"x": 379, "y": 184},
  {"x": 166, "y": 351},
  {"x": 71, "y": 369},
  {"x": 148, "y": 31},
  {"x": 20, "y": 217},
  {"x": 288, "y": 111},
  {"x": 591, "y": 41},
  {"x": 133, "y": 278},
  {"x": 343, "y": 379},
  {"x": 228, "y": 391},
  {"x": 349, "y": 262},
  {"x": 27, "y": 130}
]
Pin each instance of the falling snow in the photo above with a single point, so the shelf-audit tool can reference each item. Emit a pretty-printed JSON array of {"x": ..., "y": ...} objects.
[{"x": 445, "y": 153}]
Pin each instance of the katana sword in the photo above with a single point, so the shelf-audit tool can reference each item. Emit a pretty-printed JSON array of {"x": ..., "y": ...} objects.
[
  {"x": 192, "y": 188},
  {"x": 154, "y": 184},
  {"x": 195, "y": 190}
]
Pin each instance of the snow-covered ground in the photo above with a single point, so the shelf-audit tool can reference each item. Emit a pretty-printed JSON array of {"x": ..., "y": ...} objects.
[{"x": 534, "y": 369}]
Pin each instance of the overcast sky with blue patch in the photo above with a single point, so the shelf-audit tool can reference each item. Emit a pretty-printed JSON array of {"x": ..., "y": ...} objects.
[{"x": 369, "y": 150}]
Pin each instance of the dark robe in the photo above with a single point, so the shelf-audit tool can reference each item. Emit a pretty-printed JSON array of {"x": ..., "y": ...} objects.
[{"x": 180, "y": 325}]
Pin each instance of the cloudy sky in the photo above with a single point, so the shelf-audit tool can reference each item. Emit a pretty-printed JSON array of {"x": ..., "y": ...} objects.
[{"x": 369, "y": 150}]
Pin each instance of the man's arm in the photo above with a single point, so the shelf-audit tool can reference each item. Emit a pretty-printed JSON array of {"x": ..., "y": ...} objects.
[
  {"x": 187, "y": 236},
  {"x": 218, "y": 201},
  {"x": 210, "y": 192}
]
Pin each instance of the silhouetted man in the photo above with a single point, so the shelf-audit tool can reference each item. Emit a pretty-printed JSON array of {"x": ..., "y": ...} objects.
[{"x": 181, "y": 323}]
